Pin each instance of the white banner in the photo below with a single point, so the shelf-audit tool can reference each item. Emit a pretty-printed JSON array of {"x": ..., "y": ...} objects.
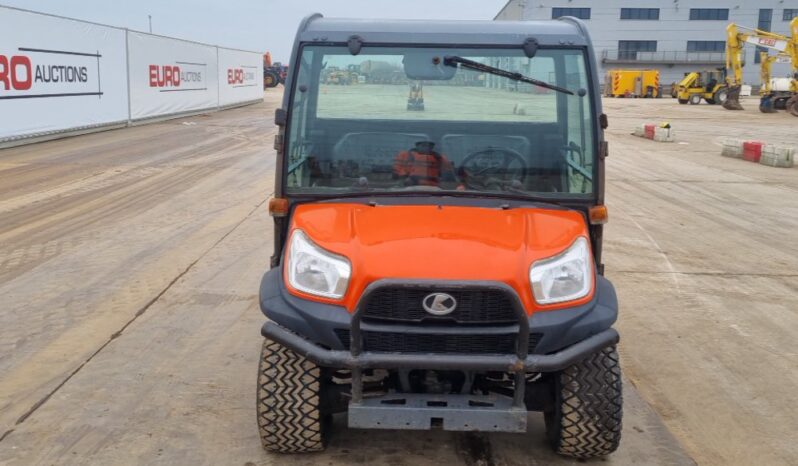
[
  {"x": 59, "y": 74},
  {"x": 240, "y": 76},
  {"x": 170, "y": 76}
]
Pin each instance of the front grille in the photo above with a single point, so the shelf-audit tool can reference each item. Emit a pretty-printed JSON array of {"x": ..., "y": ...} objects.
[
  {"x": 473, "y": 306},
  {"x": 394, "y": 342}
]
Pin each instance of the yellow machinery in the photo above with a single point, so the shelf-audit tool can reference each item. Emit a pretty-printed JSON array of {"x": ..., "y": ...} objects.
[
  {"x": 341, "y": 77},
  {"x": 787, "y": 46},
  {"x": 632, "y": 83},
  {"x": 702, "y": 85},
  {"x": 772, "y": 95}
]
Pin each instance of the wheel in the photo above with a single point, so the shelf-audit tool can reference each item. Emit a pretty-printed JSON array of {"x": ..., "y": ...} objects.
[
  {"x": 586, "y": 419},
  {"x": 720, "y": 96},
  {"x": 270, "y": 79},
  {"x": 288, "y": 401},
  {"x": 683, "y": 101},
  {"x": 766, "y": 105},
  {"x": 695, "y": 99},
  {"x": 711, "y": 101},
  {"x": 792, "y": 106}
]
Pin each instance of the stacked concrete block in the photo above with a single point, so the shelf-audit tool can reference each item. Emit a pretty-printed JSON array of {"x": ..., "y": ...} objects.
[
  {"x": 773, "y": 155},
  {"x": 659, "y": 133}
]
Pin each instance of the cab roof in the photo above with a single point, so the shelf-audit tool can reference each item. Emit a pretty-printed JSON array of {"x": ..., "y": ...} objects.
[{"x": 565, "y": 31}]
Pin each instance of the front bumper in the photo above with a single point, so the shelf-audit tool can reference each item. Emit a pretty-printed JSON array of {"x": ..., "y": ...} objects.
[
  {"x": 565, "y": 336},
  {"x": 499, "y": 362}
]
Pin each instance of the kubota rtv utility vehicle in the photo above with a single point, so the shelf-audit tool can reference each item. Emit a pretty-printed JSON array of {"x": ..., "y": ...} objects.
[{"x": 440, "y": 268}]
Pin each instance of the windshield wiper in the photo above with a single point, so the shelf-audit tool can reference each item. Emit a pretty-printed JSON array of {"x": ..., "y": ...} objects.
[{"x": 453, "y": 61}]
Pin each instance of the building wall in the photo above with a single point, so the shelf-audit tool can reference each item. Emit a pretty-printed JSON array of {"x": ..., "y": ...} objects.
[{"x": 671, "y": 32}]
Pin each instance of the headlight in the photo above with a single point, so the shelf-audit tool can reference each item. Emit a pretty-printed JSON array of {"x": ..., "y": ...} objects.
[
  {"x": 564, "y": 277},
  {"x": 313, "y": 270}
]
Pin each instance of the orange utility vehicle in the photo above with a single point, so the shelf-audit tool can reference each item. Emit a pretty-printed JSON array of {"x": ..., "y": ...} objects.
[{"x": 441, "y": 269}]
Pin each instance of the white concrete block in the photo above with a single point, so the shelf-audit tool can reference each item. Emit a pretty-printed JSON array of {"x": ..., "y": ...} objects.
[{"x": 777, "y": 156}]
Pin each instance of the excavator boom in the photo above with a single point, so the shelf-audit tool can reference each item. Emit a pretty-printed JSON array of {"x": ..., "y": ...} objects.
[{"x": 736, "y": 39}]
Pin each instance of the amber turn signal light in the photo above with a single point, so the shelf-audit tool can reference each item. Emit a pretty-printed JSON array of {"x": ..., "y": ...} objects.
[
  {"x": 278, "y": 207},
  {"x": 598, "y": 215}
]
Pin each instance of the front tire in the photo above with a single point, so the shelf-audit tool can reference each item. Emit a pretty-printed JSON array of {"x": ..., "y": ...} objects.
[
  {"x": 288, "y": 401},
  {"x": 586, "y": 419}
]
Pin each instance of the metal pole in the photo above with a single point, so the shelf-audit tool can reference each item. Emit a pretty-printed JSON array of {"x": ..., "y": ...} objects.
[
  {"x": 149, "y": 17},
  {"x": 127, "y": 72}
]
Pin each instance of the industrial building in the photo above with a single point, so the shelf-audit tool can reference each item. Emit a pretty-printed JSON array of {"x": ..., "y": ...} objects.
[{"x": 672, "y": 36}]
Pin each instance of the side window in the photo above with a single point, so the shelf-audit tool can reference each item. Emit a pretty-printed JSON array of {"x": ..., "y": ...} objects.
[
  {"x": 579, "y": 151},
  {"x": 299, "y": 145}
]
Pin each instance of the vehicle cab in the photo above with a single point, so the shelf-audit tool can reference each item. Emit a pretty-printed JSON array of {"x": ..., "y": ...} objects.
[{"x": 438, "y": 216}]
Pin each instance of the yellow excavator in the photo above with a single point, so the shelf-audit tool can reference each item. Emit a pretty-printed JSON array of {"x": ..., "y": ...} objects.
[
  {"x": 773, "y": 94},
  {"x": 785, "y": 46}
]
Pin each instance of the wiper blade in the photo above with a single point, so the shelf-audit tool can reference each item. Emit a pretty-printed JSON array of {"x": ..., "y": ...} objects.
[{"x": 453, "y": 61}]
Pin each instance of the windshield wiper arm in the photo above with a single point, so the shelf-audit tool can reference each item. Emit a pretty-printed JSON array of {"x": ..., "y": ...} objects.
[{"x": 453, "y": 61}]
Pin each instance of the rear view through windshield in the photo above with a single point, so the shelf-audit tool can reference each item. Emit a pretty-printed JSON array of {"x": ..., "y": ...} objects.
[{"x": 405, "y": 119}]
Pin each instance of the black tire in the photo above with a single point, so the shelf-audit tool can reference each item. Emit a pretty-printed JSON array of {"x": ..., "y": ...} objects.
[
  {"x": 711, "y": 101},
  {"x": 288, "y": 401},
  {"x": 694, "y": 99},
  {"x": 270, "y": 79},
  {"x": 721, "y": 95},
  {"x": 586, "y": 419},
  {"x": 683, "y": 101},
  {"x": 792, "y": 106}
]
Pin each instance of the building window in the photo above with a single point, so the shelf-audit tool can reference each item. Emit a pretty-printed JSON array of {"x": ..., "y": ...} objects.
[
  {"x": 765, "y": 20},
  {"x": 709, "y": 14},
  {"x": 627, "y": 49},
  {"x": 790, "y": 13},
  {"x": 581, "y": 13},
  {"x": 639, "y": 13},
  {"x": 706, "y": 46}
]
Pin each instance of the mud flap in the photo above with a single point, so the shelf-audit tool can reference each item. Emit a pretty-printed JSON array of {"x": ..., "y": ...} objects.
[{"x": 733, "y": 99}]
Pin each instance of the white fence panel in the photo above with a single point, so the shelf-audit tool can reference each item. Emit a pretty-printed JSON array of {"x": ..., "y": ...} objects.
[
  {"x": 240, "y": 76},
  {"x": 59, "y": 74},
  {"x": 169, "y": 76}
]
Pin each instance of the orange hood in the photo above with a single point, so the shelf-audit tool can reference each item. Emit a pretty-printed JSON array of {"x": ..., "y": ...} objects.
[{"x": 444, "y": 243}]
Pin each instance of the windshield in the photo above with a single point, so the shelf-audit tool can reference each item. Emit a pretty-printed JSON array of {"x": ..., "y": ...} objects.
[{"x": 403, "y": 119}]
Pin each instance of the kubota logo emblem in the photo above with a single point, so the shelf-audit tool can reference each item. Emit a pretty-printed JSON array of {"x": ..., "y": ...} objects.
[{"x": 439, "y": 304}]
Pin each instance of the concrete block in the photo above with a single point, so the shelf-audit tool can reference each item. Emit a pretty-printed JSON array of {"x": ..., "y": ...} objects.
[
  {"x": 649, "y": 130},
  {"x": 732, "y": 148},
  {"x": 752, "y": 150},
  {"x": 777, "y": 156},
  {"x": 664, "y": 134}
]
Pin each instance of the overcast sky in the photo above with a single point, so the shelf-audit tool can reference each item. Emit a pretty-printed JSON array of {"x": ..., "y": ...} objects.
[{"x": 250, "y": 24}]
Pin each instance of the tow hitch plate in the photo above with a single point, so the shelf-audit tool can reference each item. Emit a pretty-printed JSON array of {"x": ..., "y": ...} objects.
[{"x": 491, "y": 413}]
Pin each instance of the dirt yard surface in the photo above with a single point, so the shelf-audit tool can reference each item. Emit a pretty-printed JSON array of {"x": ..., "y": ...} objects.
[{"x": 130, "y": 262}]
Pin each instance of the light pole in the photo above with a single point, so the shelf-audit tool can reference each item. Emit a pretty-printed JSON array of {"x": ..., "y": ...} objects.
[{"x": 149, "y": 17}]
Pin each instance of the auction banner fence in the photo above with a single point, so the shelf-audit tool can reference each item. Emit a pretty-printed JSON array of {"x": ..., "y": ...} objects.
[
  {"x": 59, "y": 74},
  {"x": 240, "y": 76},
  {"x": 170, "y": 76}
]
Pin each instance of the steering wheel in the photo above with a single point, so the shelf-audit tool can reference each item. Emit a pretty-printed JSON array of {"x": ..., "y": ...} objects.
[{"x": 492, "y": 172}]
